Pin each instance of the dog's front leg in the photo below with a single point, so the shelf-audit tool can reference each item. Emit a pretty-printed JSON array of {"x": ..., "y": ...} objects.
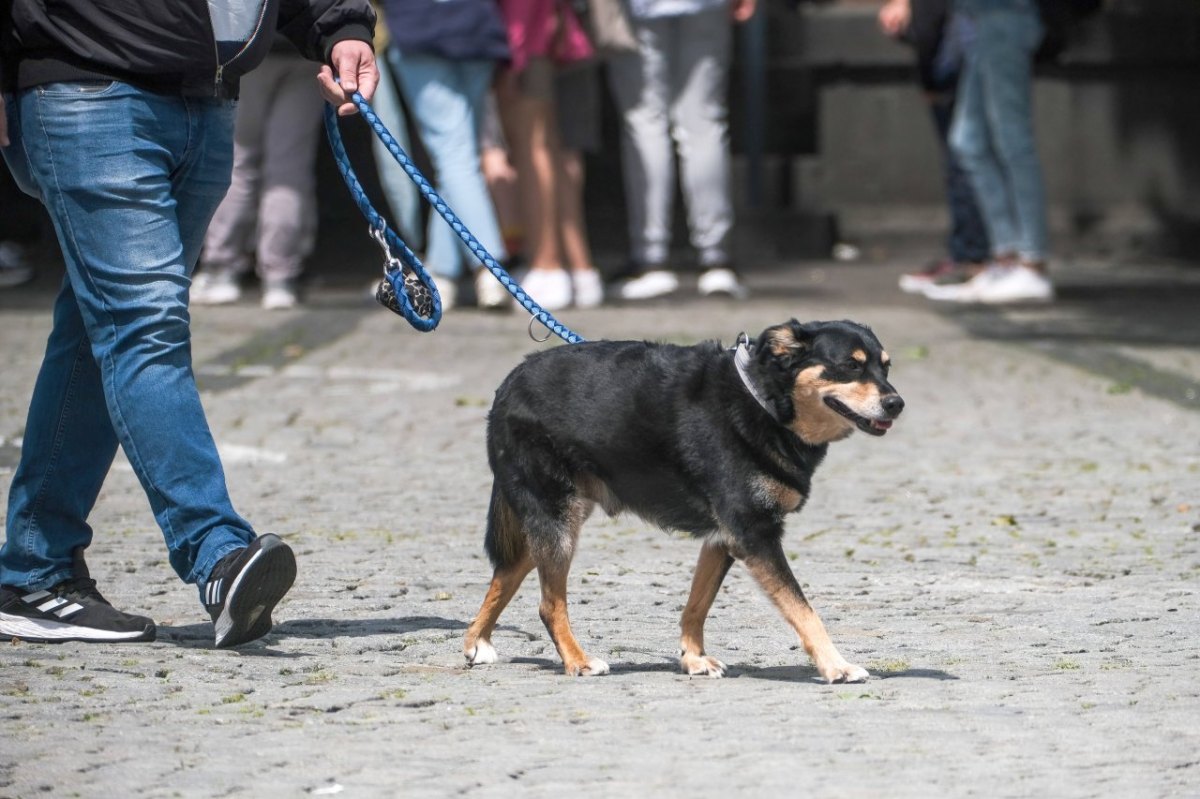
[
  {"x": 769, "y": 567},
  {"x": 711, "y": 569}
]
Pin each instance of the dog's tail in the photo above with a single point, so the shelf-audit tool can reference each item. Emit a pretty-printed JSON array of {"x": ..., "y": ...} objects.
[{"x": 505, "y": 541}]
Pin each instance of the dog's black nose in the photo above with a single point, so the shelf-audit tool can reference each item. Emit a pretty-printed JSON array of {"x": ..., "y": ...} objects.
[{"x": 893, "y": 404}]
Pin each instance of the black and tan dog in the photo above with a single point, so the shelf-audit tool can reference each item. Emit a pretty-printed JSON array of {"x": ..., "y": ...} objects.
[{"x": 717, "y": 443}]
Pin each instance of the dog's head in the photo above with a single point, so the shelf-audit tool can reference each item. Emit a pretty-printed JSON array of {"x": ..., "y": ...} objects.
[{"x": 825, "y": 379}]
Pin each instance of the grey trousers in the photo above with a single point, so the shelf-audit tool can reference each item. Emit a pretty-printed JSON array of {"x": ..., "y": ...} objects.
[
  {"x": 672, "y": 98},
  {"x": 269, "y": 215}
]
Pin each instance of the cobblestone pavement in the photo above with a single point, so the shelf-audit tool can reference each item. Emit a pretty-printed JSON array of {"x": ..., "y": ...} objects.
[{"x": 1017, "y": 564}]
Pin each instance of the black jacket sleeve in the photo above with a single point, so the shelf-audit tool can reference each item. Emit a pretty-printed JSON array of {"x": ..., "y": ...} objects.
[{"x": 315, "y": 26}]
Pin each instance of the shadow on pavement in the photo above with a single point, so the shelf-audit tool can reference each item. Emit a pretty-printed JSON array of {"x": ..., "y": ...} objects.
[
  {"x": 809, "y": 674},
  {"x": 1130, "y": 313},
  {"x": 776, "y": 673},
  {"x": 1095, "y": 327},
  {"x": 357, "y": 628},
  {"x": 546, "y": 664},
  {"x": 197, "y": 635}
]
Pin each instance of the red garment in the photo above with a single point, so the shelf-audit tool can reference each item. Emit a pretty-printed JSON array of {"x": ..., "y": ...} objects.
[{"x": 544, "y": 29}]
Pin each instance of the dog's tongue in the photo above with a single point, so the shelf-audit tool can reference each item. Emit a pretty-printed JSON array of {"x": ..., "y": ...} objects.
[{"x": 885, "y": 425}]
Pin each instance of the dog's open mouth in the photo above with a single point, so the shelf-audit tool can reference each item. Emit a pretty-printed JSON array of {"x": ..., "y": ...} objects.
[{"x": 874, "y": 427}]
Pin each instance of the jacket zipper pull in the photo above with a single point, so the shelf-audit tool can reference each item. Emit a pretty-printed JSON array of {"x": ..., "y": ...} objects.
[{"x": 217, "y": 83}]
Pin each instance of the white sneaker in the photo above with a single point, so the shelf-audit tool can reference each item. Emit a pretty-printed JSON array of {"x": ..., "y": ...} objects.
[
  {"x": 490, "y": 293},
  {"x": 448, "y": 292},
  {"x": 1021, "y": 284},
  {"x": 589, "y": 288},
  {"x": 656, "y": 283},
  {"x": 722, "y": 281},
  {"x": 550, "y": 288},
  {"x": 968, "y": 289},
  {"x": 216, "y": 287},
  {"x": 943, "y": 273},
  {"x": 280, "y": 295},
  {"x": 997, "y": 285}
]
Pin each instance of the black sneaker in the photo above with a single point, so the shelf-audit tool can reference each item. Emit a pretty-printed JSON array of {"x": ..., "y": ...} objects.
[
  {"x": 73, "y": 610},
  {"x": 244, "y": 588}
]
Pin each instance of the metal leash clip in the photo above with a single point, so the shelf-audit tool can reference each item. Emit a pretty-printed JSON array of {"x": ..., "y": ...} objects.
[{"x": 419, "y": 295}]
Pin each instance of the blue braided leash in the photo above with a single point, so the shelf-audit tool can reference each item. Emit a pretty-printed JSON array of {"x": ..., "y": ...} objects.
[{"x": 414, "y": 294}]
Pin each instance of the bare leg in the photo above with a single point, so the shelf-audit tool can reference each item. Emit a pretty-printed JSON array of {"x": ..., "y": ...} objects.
[
  {"x": 711, "y": 569},
  {"x": 531, "y": 127},
  {"x": 575, "y": 245},
  {"x": 477, "y": 646},
  {"x": 771, "y": 571}
]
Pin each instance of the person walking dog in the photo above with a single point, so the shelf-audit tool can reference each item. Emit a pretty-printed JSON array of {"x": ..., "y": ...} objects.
[{"x": 125, "y": 133}]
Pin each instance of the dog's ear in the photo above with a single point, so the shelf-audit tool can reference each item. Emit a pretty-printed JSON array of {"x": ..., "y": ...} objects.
[{"x": 786, "y": 342}]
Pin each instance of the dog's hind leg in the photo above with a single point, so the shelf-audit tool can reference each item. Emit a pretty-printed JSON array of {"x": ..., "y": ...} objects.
[
  {"x": 477, "y": 646},
  {"x": 554, "y": 534},
  {"x": 508, "y": 548},
  {"x": 711, "y": 568},
  {"x": 769, "y": 567}
]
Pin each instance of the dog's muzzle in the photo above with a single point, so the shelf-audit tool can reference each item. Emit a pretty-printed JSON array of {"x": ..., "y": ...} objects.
[{"x": 892, "y": 405}]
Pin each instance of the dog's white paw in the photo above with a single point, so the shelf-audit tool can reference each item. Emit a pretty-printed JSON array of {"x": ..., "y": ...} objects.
[
  {"x": 845, "y": 672},
  {"x": 701, "y": 666},
  {"x": 593, "y": 668},
  {"x": 483, "y": 652}
]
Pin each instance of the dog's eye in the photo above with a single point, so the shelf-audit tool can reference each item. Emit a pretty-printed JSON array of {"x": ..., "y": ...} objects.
[{"x": 853, "y": 366}]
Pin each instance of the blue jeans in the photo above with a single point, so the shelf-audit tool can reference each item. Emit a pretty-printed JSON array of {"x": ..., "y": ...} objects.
[
  {"x": 447, "y": 100},
  {"x": 967, "y": 242},
  {"x": 968, "y": 238},
  {"x": 131, "y": 180},
  {"x": 402, "y": 196},
  {"x": 992, "y": 133}
]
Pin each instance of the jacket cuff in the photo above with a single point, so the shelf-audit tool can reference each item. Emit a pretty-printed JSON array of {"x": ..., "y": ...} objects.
[{"x": 354, "y": 31}]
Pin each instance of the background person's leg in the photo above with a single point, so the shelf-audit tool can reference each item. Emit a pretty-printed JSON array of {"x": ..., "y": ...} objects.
[{"x": 287, "y": 218}]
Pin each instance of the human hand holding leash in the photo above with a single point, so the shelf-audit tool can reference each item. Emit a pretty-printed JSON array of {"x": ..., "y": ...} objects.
[{"x": 354, "y": 65}]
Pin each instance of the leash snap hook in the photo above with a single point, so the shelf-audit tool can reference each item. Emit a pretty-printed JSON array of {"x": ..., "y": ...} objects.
[
  {"x": 390, "y": 262},
  {"x": 543, "y": 339},
  {"x": 399, "y": 279}
]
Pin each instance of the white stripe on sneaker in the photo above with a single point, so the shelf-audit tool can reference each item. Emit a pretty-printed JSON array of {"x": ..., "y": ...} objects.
[
  {"x": 51, "y": 604},
  {"x": 74, "y": 607}
]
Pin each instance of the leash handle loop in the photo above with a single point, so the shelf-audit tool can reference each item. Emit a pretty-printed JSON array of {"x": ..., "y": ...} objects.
[
  {"x": 398, "y": 299},
  {"x": 407, "y": 256}
]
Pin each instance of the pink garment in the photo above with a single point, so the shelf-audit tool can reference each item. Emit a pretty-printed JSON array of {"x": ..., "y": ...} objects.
[{"x": 544, "y": 28}]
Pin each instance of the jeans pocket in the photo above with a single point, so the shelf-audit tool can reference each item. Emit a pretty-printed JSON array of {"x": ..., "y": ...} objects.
[{"x": 74, "y": 88}]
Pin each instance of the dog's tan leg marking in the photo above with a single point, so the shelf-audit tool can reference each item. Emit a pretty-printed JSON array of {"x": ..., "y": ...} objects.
[
  {"x": 711, "y": 568},
  {"x": 477, "y": 646},
  {"x": 553, "y": 610},
  {"x": 771, "y": 571}
]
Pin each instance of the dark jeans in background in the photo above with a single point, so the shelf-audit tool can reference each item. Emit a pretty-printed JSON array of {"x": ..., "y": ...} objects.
[{"x": 968, "y": 239}]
